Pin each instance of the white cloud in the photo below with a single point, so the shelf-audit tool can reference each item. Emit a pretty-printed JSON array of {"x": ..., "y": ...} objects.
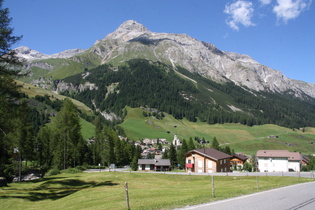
[
  {"x": 265, "y": 2},
  {"x": 240, "y": 12},
  {"x": 290, "y": 9}
]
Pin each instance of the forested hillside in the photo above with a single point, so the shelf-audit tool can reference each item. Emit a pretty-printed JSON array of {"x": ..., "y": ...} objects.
[{"x": 186, "y": 95}]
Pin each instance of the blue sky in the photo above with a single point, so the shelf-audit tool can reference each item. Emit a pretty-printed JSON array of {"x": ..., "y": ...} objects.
[{"x": 276, "y": 33}]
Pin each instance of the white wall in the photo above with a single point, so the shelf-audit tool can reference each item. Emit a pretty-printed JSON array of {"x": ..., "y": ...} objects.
[
  {"x": 295, "y": 165},
  {"x": 273, "y": 164},
  {"x": 147, "y": 167}
]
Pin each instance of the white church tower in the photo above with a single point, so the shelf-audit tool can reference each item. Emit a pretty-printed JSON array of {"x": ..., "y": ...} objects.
[{"x": 176, "y": 141}]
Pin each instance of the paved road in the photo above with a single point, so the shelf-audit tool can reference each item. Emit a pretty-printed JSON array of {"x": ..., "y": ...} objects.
[{"x": 301, "y": 196}]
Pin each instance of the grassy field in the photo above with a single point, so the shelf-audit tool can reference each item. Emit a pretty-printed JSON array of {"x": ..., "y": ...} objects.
[
  {"x": 240, "y": 137},
  {"x": 88, "y": 129},
  {"x": 146, "y": 191}
]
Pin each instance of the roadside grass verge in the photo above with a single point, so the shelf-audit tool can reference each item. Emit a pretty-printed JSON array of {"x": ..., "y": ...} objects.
[{"x": 106, "y": 190}]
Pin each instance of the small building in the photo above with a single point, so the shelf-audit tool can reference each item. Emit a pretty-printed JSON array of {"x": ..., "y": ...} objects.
[
  {"x": 305, "y": 160},
  {"x": 238, "y": 160},
  {"x": 154, "y": 164},
  {"x": 207, "y": 161},
  {"x": 278, "y": 161},
  {"x": 176, "y": 142}
]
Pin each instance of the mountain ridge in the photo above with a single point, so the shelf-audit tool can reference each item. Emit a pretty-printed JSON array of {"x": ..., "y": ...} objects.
[
  {"x": 31, "y": 55},
  {"x": 132, "y": 40}
]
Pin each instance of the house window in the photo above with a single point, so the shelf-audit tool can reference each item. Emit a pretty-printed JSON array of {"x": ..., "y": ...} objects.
[
  {"x": 209, "y": 164},
  {"x": 220, "y": 162},
  {"x": 224, "y": 160},
  {"x": 200, "y": 163},
  {"x": 189, "y": 161}
]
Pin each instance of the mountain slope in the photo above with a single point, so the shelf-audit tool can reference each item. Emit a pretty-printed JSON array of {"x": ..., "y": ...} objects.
[
  {"x": 143, "y": 83},
  {"x": 132, "y": 41},
  {"x": 179, "y": 75}
]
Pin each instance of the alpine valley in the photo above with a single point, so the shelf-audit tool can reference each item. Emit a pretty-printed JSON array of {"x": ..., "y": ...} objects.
[{"x": 175, "y": 75}]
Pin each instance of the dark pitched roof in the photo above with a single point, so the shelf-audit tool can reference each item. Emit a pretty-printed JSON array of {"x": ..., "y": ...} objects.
[
  {"x": 159, "y": 162},
  {"x": 163, "y": 162},
  {"x": 146, "y": 161},
  {"x": 305, "y": 159},
  {"x": 210, "y": 153},
  {"x": 241, "y": 157}
]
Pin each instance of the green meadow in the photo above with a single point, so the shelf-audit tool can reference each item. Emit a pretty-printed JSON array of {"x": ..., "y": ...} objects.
[
  {"x": 241, "y": 138},
  {"x": 105, "y": 190}
]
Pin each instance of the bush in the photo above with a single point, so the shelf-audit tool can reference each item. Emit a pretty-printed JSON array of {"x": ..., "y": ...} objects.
[
  {"x": 71, "y": 171},
  {"x": 52, "y": 172},
  {"x": 81, "y": 168}
]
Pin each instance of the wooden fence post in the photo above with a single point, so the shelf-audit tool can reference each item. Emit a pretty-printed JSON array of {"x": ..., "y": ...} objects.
[
  {"x": 257, "y": 184},
  {"x": 213, "y": 194},
  {"x": 127, "y": 195}
]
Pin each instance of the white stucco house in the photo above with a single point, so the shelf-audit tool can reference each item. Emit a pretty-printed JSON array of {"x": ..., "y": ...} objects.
[{"x": 278, "y": 161}]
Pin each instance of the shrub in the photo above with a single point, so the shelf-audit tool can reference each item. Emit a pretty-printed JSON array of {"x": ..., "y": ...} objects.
[
  {"x": 52, "y": 172},
  {"x": 71, "y": 171},
  {"x": 81, "y": 168}
]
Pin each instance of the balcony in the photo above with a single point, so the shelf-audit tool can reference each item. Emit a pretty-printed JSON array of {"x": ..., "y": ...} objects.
[{"x": 189, "y": 165}]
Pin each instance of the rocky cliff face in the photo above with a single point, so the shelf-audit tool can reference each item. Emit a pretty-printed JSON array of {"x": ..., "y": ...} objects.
[{"x": 133, "y": 40}]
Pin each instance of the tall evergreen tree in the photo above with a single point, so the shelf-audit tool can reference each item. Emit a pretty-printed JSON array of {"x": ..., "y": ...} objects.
[
  {"x": 68, "y": 138},
  {"x": 44, "y": 150},
  {"x": 173, "y": 155},
  {"x": 215, "y": 144},
  {"x": 23, "y": 134},
  {"x": 8, "y": 88},
  {"x": 181, "y": 154},
  {"x": 191, "y": 145}
]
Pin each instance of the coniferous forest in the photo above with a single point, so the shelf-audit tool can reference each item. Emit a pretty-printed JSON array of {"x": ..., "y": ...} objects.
[{"x": 156, "y": 85}]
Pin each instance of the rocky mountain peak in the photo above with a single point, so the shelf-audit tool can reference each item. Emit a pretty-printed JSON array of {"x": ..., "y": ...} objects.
[
  {"x": 30, "y": 54},
  {"x": 132, "y": 25},
  {"x": 128, "y": 30}
]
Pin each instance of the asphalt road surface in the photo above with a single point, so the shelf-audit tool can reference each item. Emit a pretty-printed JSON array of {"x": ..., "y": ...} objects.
[{"x": 301, "y": 196}]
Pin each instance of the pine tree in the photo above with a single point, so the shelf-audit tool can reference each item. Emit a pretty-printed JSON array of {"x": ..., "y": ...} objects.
[
  {"x": 215, "y": 144},
  {"x": 68, "y": 138},
  {"x": 8, "y": 88},
  {"x": 172, "y": 156},
  {"x": 191, "y": 145},
  {"x": 23, "y": 134},
  {"x": 44, "y": 150},
  {"x": 134, "y": 164},
  {"x": 181, "y": 154}
]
